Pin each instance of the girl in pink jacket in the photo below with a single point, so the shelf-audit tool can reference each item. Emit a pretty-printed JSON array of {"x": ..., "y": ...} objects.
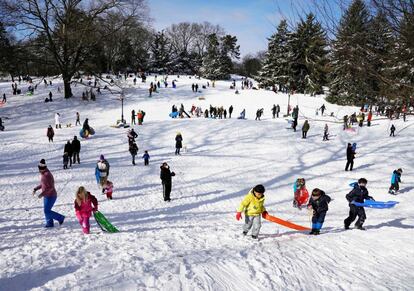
[{"x": 85, "y": 204}]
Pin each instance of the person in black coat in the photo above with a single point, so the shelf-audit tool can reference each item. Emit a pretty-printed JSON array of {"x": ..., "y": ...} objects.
[
  {"x": 68, "y": 149},
  {"x": 392, "y": 130},
  {"x": 350, "y": 156},
  {"x": 358, "y": 194},
  {"x": 76, "y": 147},
  {"x": 133, "y": 117},
  {"x": 166, "y": 180},
  {"x": 86, "y": 125},
  {"x": 178, "y": 143},
  {"x": 230, "y": 110},
  {"x": 319, "y": 203},
  {"x": 133, "y": 149}
]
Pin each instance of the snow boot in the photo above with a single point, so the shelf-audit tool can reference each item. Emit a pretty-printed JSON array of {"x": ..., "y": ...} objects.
[
  {"x": 346, "y": 227},
  {"x": 244, "y": 232},
  {"x": 61, "y": 222},
  {"x": 317, "y": 232},
  {"x": 360, "y": 227},
  {"x": 254, "y": 236},
  {"x": 313, "y": 231}
]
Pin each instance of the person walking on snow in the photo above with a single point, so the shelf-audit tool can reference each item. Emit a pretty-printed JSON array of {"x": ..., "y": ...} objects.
[
  {"x": 178, "y": 143},
  {"x": 350, "y": 156},
  {"x": 146, "y": 158},
  {"x": 57, "y": 121},
  {"x": 102, "y": 171},
  {"x": 274, "y": 111},
  {"x": 50, "y": 133},
  {"x": 230, "y": 110},
  {"x": 369, "y": 118},
  {"x": 322, "y": 109},
  {"x": 77, "y": 119},
  {"x": 392, "y": 130},
  {"x": 49, "y": 194},
  {"x": 68, "y": 149},
  {"x": 254, "y": 209},
  {"x": 318, "y": 203},
  {"x": 395, "y": 180},
  {"x": 85, "y": 204},
  {"x": 358, "y": 194},
  {"x": 133, "y": 149},
  {"x": 305, "y": 129},
  {"x": 76, "y": 147},
  {"x": 166, "y": 180},
  {"x": 325, "y": 133},
  {"x": 133, "y": 117}
]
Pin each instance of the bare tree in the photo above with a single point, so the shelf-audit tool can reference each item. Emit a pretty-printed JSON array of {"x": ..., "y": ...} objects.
[{"x": 69, "y": 27}]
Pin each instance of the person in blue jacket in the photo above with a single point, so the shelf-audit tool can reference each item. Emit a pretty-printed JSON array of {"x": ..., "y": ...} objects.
[
  {"x": 358, "y": 194},
  {"x": 395, "y": 180},
  {"x": 319, "y": 204}
]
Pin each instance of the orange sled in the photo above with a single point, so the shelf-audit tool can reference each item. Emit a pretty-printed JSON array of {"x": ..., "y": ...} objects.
[{"x": 285, "y": 223}]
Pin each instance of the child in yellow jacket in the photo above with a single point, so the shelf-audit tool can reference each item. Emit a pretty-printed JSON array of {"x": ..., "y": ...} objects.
[{"x": 253, "y": 208}]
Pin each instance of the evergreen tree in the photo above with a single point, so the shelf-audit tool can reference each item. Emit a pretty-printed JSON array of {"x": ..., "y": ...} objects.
[
  {"x": 309, "y": 57},
  {"x": 349, "y": 83},
  {"x": 276, "y": 64},
  {"x": 160, "y": 49},
  {"x": 217, "y": 62},
  {"x": 6, "y": 51},
  {"x": 380, "y": 59}
]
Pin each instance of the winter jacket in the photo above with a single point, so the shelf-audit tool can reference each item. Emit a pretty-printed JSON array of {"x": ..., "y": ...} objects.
[
  {"x": 178, "y": 141},
  {"x": 86, "y": 207},
  {"x": 166, "y": 175},
  {"x": 133, "y": 149},
  {"x": 358, "y": 194},
  {"x": 146, "y": 156},
  {"x": 76, "y": 145},
  {"x": 350, "y": 155},
  {"x": 396, "y": 177},
  {"x": 305, "y": 126},
  {"x": 321, "y": 204},
  {"x": 50, "y": 132},
  {"x": 47, "y": 184},
  {"x": 68, "y": 149},
  {"x": 57, "y": 118},
  {"x": 103, "y": 168},
  {"x": 252, "y": 205}
]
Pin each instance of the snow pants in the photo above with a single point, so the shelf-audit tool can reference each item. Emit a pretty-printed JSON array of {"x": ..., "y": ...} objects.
[
  {"x": 252, "y": 222},
  {"x": 317, "y": 220},
  {"x": 395, "y": 186},
  {"x": 355, "y": 211},
  {"x": 166, "y": 191},
  {"x": 50, "y": 215},
  {"x": 84, "y": 222},
  {"x": 76, "y": 157}
]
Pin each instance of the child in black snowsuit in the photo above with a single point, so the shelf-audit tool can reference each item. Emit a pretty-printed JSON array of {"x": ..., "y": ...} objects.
[
  {"x": 319, "y": 203},
  {"x": 358, "y": 194},
  {"x": 65, "y": 160},
  {"x": 392, "y": 130}
]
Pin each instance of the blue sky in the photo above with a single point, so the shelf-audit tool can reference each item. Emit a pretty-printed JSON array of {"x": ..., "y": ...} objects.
[{"x": 252, "y": 21}]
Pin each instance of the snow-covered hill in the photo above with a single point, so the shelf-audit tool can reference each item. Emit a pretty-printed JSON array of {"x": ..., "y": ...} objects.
[{"x": 194, "y": 242}]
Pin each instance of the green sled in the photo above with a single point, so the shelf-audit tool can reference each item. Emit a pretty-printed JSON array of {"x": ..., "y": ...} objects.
[{"x": 103, "y": 223}]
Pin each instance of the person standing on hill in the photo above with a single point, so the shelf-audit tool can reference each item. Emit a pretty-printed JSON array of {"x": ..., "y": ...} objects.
[
  {"x": 77, "y": 119},
  {"x": 68, "y": 149},
  {"x": 133, "y": 149},
  {"x": 325, "y": 133},
  {"x": 76, "y": 147},
  {"x": 166, "y": 180},
  {"x": 392, "y": 130},
  {"x": 274, "y": 111},
  {"x": 49, "y": 194},
  {"x": 230, "y": 110},
  {"x": 350, "y": 156},
  {"x": 133, "y": 117},
  {"x": 50, "y": 133},
  {"x": 359, "y": 194},
  {"x": 305, "y": 129},
  {"x": 178, "y": 143}
]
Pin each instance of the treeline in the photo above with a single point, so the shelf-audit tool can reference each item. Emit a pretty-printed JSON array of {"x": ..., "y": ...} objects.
[
  {"x": 58, "y": 37},
  {"x": 370, "y": 58}
]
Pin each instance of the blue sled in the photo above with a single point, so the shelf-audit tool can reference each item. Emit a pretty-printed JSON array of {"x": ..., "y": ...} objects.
[
  {"x": 173, "y": 114},
  {"x": 376, "y": 204}
]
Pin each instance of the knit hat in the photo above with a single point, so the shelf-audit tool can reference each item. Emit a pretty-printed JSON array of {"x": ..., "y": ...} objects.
[
  {"x": 102, "y": 157},
  {"x": 259, "y": 189},
  {"x": 42, "y": 165}
]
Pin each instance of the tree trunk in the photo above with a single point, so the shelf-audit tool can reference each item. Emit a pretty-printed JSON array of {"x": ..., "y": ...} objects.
[{"x": 68, "y": 90}]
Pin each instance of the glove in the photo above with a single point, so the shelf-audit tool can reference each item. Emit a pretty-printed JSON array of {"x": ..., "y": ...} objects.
[
  {"x": 40, "y": 195},
  {"x": 238, "y": 215},
  {"x": 264, "y": 213},
  {"x": 172, "y": 174}
]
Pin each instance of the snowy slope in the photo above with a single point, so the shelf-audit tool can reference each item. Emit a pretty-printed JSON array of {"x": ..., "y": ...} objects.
[{"x": 194, "y": 242}]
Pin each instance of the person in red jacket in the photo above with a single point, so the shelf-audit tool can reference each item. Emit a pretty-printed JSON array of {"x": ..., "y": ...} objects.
[
  {"x": 49, "y": 194},
  {"x": 85, "y": 204},
  {"x": 369, "y": 118}
]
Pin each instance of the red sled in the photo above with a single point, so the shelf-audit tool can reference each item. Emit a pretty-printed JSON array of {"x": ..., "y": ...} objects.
[{"x": 301, "y": 197}]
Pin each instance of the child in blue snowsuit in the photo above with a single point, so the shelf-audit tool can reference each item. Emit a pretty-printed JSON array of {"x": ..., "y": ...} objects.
[
  {"x": 319, "y": 203},
  {"x": 146, "y": 158},
  {"x": 395, "y": 179}
]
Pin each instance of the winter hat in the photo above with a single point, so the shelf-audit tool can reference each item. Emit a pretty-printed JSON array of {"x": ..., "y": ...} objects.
[
  {"x": 400, "y": 170},
  {"x": 42, "y": 165},
  {"x": 102, "y": 157},
  {"x": 259, "y": 189}
]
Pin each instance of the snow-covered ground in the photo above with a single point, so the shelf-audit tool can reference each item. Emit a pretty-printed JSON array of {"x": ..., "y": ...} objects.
[{"x": 194, "y": 242}]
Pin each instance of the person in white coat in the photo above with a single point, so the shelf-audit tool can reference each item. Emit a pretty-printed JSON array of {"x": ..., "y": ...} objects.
[{"x": 57, "y": 120}]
